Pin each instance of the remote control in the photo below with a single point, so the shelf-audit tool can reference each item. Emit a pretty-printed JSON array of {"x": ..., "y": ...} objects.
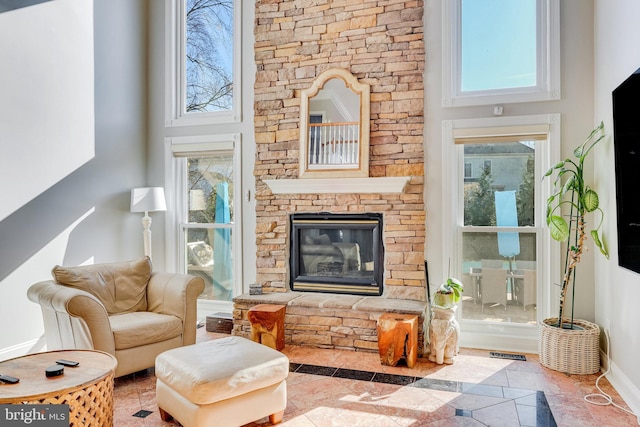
[
  {"x": 7, "y": 379},
  {"x": 70, "y": 363}
]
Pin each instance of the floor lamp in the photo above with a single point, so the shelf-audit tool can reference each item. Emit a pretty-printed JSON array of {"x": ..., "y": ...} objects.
[{"x": 147, "y": 199}]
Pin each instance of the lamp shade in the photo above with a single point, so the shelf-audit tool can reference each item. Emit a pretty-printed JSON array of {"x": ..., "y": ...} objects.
[{"x": 148, "y": 199}]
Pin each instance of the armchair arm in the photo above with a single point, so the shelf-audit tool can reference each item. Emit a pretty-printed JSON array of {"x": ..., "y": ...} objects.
[
  {"x": 72, "y": 318},
  {"x": 176, "y": 294}
]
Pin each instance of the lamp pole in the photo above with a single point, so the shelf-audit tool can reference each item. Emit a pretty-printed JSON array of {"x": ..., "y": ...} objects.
[
  {"x": 147, "y": 199},
  {"x": 146, "y": 234}
]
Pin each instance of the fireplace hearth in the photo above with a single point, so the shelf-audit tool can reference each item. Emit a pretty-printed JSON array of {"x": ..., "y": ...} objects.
[{"x": 337, "y": 253}]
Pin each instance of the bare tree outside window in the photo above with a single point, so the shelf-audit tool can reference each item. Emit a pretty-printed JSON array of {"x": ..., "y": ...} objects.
[
  {"x": 209, "y": 55},
  {"x": 205, "y": 173}
]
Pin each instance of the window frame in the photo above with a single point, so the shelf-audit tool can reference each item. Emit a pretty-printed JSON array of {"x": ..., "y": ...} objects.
[
  {"x": 177, "y": 204},
  {"x": 547, "y": 60},
  {"x": 485, "y": 334},
  {"x": 175, "y": 71}
]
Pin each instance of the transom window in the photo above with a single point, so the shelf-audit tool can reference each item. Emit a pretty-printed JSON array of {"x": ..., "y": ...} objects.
[
  {"x": 498, "y": 48},
  {"x": 498, "y": 51},
  {"x": 204, "y": 65}
]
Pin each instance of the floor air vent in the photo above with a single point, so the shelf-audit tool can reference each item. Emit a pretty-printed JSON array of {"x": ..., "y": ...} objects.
[
  {"x": 142, "y": 413},
  {"x": 507, "y": 356}
]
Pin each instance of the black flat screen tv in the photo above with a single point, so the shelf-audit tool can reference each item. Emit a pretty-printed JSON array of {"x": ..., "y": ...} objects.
[{"x": 626, "y": 135}]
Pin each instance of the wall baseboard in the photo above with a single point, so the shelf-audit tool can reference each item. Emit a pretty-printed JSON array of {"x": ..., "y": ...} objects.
[
  {"x": 208, "y": 307},
  {"x": 33, "y": 346},
  {"x": 510, "y": 343},
  {"x": 629, "y": 392}
]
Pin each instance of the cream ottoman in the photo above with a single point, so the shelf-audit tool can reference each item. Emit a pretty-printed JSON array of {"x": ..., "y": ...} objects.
[{"x": 225, "y": 382}]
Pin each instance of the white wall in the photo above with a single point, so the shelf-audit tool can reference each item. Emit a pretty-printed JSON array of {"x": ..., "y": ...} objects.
[
  {"x": 73, "y": 139},
  {"x": 47, "y": 97},
  {"x": 617, "y": 55}
]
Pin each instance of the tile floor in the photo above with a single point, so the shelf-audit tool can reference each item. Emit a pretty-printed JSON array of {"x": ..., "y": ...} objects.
[{"x": 346, "y": 388}]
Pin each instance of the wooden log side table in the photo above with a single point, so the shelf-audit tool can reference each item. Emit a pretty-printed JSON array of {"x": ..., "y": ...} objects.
[
  {"x": 87, "y": 388},
  {"x": 267, "y": 324},
  {"x": 398, "y": 338}
]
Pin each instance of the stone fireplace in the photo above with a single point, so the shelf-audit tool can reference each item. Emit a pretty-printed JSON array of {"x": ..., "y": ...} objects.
[{"x": 381, "y": 43}]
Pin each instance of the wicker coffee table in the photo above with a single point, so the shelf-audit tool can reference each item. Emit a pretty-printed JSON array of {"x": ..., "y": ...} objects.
[{"x": 87, "y": 388}]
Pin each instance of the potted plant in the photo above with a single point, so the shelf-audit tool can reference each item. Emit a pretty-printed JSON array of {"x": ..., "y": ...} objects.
[
  {"x": 567, "y": 344},
  {"x": 448, "y": 294},
  {"x": 442, "y": 330}
]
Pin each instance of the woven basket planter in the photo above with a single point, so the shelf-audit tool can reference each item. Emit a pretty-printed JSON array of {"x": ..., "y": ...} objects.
[{"x": 573, "y": 351}]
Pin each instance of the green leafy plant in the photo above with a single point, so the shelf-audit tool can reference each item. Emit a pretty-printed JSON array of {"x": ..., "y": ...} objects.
[
  {"x": 570, "y": 191},
  {"x": 453, "y": 289}
]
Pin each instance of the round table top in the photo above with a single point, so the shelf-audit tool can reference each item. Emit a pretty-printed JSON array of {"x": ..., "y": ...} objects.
[{"x": 30, "y": 369}]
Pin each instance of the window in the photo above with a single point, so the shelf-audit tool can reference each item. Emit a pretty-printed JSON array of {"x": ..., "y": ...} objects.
[
  {"x": 498, "y": 51},
  {"x": 203, "y": 66},
  {"x": 486, "y": 166},
  {"x": 203, "y": 171},
  {"x": 206, "y": 185},
  {"x": 468, "y": 171},
  {"x": 498, "y": 234}
]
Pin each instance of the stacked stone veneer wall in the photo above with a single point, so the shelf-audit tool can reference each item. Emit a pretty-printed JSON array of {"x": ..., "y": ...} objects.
[{"x": 381, "y": 44}]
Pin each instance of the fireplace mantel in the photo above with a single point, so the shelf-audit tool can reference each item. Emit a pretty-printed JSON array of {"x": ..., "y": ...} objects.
[{"x": 380, "y": 185}]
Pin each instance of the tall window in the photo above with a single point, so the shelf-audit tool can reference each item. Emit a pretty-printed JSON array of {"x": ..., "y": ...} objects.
[
  {"x": 500, "y": 51},
  {"x": 206, "y": 203},
  {"x": 204, "y": 66},
  {"x": 498, "y": 235},
  {"x": 498, "y": 231},
  {"x": 208, "y": 232},
  {"x": 203, "y": 171}
]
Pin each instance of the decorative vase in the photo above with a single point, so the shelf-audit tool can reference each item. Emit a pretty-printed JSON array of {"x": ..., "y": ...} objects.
[
  {"x": 444, "y": 333},
  {"x": 573, "y": 351}
]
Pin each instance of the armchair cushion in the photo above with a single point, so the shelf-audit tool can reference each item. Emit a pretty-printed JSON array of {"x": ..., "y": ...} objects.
[
  {"x": 120, "y": 286},
  {"x": 143, "y": 327}
]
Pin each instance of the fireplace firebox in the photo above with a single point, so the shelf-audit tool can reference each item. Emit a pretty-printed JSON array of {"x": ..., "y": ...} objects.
[{"x": 337, "y": 253}]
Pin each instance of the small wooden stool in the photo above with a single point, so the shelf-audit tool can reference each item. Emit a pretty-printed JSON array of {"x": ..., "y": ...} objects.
[
  {"x": 398, "y": 338},
  {"x": 267, "y": 324}
]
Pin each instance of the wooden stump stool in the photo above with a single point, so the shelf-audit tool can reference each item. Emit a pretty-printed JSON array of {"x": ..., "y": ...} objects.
[
  {"x": 398, "y": 338},
  {"x": 267, "y": 324}
]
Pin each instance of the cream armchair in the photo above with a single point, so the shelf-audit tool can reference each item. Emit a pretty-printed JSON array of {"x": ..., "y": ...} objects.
[{"x": 122, "y": 308}]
